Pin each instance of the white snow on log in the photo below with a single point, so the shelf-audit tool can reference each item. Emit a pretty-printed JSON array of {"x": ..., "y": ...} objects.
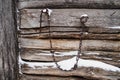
[
  {"x": 44, "y": 10},
  {"x": 115, "y": 27},
  {"x": 92, "y": 53},
  {"x": 49, "y": 11},
  {"x": 69, "y": 63},
  {"x": 84, "y": 15},
  {"x": 104, "y": 58},
  {"x": 71, "y": 53},
  {"x": 97, "y": 64},
  {"x": 33, "y": 65}
]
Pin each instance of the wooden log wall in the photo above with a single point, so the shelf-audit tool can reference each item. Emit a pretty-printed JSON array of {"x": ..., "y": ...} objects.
[
  {"x": 106, "y": 4},
  {"x": 101, "y": 36}
]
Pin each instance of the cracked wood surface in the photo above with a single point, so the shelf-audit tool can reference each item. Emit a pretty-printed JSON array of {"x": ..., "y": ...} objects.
[
  {"x": 90, "y": 4},
  {"x": 35, "y": 77},
  {"x": 102, "y": 37},
  {"x": 70, "y": 17},
  {"x": 90, "y": 73},
  {"x": 70, "y": 44},
  {"x": 37, "y": 55}
]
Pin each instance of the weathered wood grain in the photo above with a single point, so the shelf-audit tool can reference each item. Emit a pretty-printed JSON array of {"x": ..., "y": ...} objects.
[
  {"x": 71, "y": 33},
  {"x": 8, "y": 40},
  {"x": 106, "y": 4},
  {"x": 73, "y": 36},
  {"x": 107, "y": 45},
  {"x": 97, "y": 30},
  {"x": 36, "y": 55},
  {"x": 33, "y": 77},
  {"x": 85, "y": 72},
  {"x": 70, "y": 17}
]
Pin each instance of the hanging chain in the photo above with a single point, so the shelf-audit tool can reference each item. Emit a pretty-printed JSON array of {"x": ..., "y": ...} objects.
[
  {"x": 52, "y": 51},
  {"x": 41, "y": 15}
]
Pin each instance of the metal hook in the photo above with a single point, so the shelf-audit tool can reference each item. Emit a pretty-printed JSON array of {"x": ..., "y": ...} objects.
[
  {"x": 84, "y": 18},
  {"x": 45, "y": 11}
]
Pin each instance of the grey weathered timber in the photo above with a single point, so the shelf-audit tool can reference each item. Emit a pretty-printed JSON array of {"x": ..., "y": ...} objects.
[
  {"x": 36, "y": 55},
  {"x": 99, "y": 74},
  {"x": 30, "y": 18},
  {"x": 99, "y": 4},
  {"x": 71, "y": 33},
  {"x": 33, "y": 77},
  {"x": 71, "y": 44},
  {"x": 68, "y": 29},
  {"x": 8, "y": 40}
]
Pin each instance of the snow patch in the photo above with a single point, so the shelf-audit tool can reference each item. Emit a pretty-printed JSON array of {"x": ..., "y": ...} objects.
[
  {"x": 116, "y": 27},
  {"x": 84, "y": 15},
  {"x": 44, "y": 10},
  {"x": 71, "y": 53},
  {"x": 36, "y": 64},
  {"x": 69, "y": 63},
  {"x": 49, "y": 11},
  {"x": 92, "y": 53},
  {"x": 97, "y": 64}
]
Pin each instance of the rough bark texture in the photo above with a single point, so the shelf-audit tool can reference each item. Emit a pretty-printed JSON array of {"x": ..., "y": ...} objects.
[{"x": 8, "y": 40}]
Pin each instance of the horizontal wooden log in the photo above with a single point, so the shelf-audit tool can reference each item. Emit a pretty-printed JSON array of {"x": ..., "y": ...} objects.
[
  {"x": 45, "y": 56},
  {"x": 97, "y": 30},
  {"x": 38, "y": 54},
  {"x": 74, "y": 36},
  {"x": 88, "y": 73},
  {"x": 42, "y": 77},
  {"x": 71, "y": 33},
  {"x": 106, "y": 4},
  {"x": 30, "y": 18},
  {"x": 70, "y": 44}
]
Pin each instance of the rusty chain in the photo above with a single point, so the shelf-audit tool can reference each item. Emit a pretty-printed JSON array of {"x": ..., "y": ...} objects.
[{"x": 52, "y": 51}]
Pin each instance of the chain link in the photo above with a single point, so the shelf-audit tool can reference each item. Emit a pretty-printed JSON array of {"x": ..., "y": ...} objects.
[{"x": 52, "y": 51}]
